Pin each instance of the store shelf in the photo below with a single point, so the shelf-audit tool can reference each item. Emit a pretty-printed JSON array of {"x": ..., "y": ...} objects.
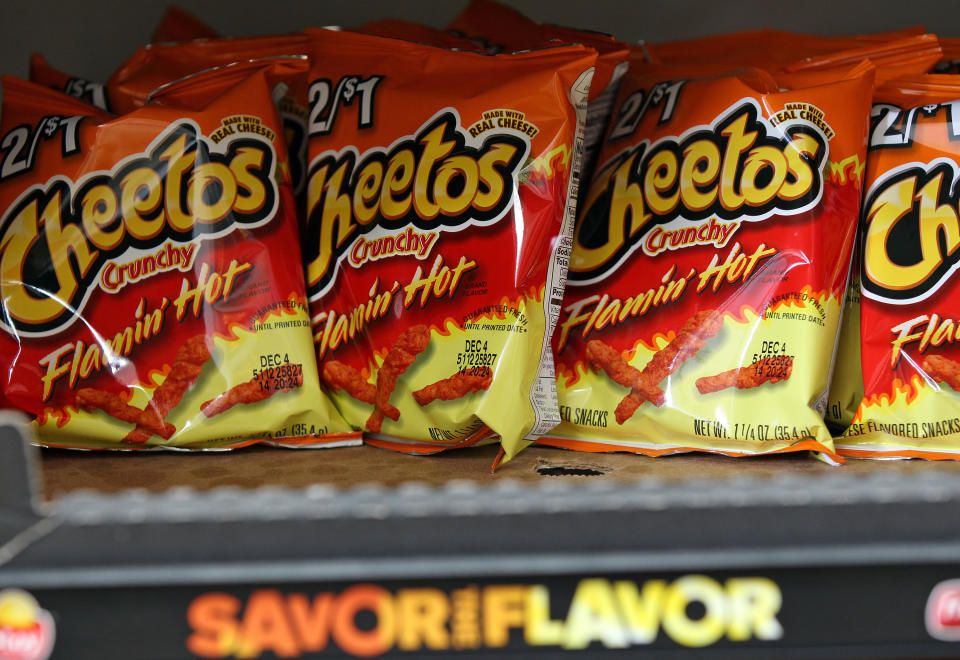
[{"x": 854, "y": 553}]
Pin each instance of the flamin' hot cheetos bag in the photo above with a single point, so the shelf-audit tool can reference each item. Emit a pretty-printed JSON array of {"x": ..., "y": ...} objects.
[
  {"x": 709, "y": 264},
  {"x": 439, "y": 216},
  {"x": 909, "y": 288},
  {"x": 149, "y": 272}
]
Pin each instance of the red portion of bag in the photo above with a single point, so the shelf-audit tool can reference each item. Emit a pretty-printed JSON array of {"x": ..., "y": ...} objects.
[
  {"x": 910, "y": 234},
  {"x": 437, "y": 209},
  {"x": 503, "y": 29},
  {"x": 911, "y": 55},
  {"x": 709, "y": 263},
  {"x": 158, "y": 64},
  {"x": 410, "y": 31},
  {"x": 43, "y": 74},
  {"x": 149, "y": 297}
]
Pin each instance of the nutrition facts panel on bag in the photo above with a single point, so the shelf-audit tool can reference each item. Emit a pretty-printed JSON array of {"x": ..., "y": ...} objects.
[{"x": 544, "y": 394}]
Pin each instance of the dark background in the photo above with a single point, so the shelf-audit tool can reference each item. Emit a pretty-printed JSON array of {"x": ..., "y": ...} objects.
[{"x": 89, "y": 38}]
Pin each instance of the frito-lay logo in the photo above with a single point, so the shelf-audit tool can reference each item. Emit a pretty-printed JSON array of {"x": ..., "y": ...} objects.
[
  {"x": 27, "y": 632},
  {"x": 912, "y": 231},
  {"x": 943, "y": 611},
  {"x": 738, "y": 168},
  {"x": 440, "y": 179},
  {"x": 366, "y": 620},
  {"x": 56, "y": 238}
]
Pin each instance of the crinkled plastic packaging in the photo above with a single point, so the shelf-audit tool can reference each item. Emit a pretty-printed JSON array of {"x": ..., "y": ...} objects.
[
  {"x": 410, "y": 31},
  {"x": 709, "y": 264},
  {"x": 913, "y": 55},
  {"x": 440, "y": 209},
  {"x": 503, "y": 29},
  {"x": 176, "y": 25},
  {"x": 151, "y": 286},
  {"x": 950, "y": 63},
  {"x": 89, "y": 91},
  {"x": 156, "y": 65},
  {"x": 910, "y": 234},
  {"x": 891, "y": 59}
]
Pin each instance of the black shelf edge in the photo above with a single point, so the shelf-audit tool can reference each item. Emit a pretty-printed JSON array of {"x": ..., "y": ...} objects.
[
  {"x": 822, "y": 566},
  {"x": 20, "y": 508}
]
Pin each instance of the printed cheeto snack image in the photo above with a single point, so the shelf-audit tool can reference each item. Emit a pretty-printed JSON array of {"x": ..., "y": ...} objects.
[
  {"x": 458, "y": 385},
  {"x": 152, "y": 294},
  {"x": 709, "y": 263},
  {"x": 909, "y": 289},
  {"x": 440, "y": 213},
  {"x": 764, "y": 370}
]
